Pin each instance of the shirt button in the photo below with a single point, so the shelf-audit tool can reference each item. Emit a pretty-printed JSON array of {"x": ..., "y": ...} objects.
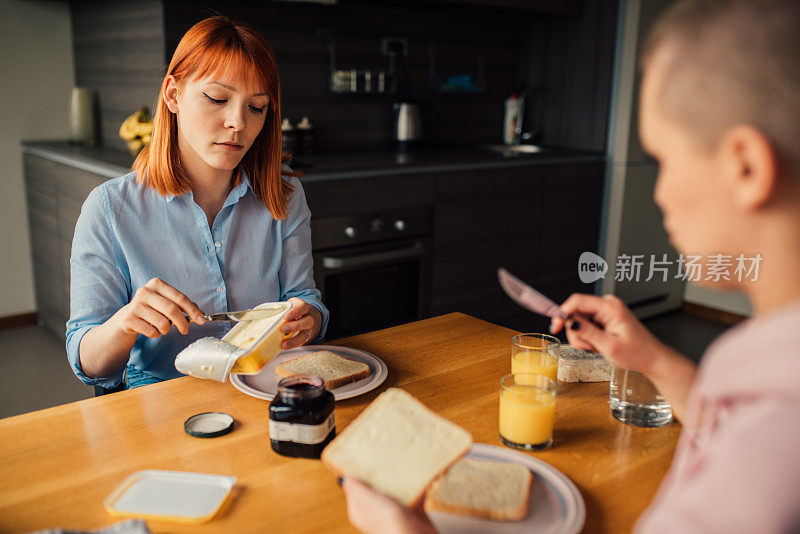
[
  {"x": 220, "y": 290},
  {"x": 217, "y": 244}
]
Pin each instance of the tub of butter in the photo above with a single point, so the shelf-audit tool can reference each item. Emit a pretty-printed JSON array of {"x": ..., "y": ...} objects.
[
  {"x": 245, "y": 349},
  {"x": 260, "y": 339},
  {"x": 576, "y": 365}
]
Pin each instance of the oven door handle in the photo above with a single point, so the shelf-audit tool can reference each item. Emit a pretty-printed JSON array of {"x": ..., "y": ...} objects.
[{"x": 350, "y": 262}]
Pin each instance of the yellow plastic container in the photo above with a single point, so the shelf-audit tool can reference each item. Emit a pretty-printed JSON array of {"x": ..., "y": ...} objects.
[
  {"x": 174, "y": 496},
  {"x": 261, "y": 346}
]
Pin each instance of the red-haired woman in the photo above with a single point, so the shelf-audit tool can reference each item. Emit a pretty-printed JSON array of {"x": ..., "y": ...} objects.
[{"x": 209, "y": 219}]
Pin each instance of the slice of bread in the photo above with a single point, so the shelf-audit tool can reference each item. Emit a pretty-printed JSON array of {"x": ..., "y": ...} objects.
[
  {"x": 492, "y": 490},
  {"x": 397, "y": 446},
  {"x": 334, "y": 370}
]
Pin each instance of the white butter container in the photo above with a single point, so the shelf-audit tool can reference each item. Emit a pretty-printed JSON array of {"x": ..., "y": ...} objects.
[
  {"x": 576, "y": 365},
  {"x": 245, "y": 349}
]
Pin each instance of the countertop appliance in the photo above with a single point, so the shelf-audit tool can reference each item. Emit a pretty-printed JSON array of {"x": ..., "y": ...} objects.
[
  {"x": 407, "y": 124},
  {"x": 373, "y": 268}
]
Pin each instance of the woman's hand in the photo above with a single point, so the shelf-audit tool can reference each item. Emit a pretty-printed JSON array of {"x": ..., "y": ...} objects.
[
  {"x": 606, "y": 325},
  {"x": 373, "y": 512},
  {"x": 304, "y": 319},
  {"x": 155, "y": 307}
]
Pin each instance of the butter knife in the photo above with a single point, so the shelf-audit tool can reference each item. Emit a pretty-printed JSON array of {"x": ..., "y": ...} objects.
[
  {"x": 244, "y": 315},
  {"x": 527, "y": 297}
]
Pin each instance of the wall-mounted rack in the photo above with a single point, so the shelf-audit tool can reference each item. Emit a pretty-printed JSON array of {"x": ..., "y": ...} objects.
[{"x": 357, "y": 81}]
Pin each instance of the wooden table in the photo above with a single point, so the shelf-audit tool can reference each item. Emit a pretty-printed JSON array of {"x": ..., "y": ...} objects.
[{"x": 59, "y": 464}]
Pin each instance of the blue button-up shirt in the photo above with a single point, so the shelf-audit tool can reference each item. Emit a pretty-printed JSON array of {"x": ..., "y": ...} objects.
[{"x": 127, "y": 234}]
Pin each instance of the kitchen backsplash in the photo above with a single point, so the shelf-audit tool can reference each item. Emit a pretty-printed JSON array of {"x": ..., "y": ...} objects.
[
  {"x": 119, "y": 55},
  {"x": 122, "y": 47}
]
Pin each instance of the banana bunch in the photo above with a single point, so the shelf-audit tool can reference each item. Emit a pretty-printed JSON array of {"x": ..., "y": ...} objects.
[{"x": 136, "y": 130}]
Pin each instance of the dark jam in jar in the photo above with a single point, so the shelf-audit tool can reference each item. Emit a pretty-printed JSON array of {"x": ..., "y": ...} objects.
[{"x": 301, "y": 420}]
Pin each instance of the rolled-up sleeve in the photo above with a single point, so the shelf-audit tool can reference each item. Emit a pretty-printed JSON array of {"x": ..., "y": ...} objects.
[
  {"x": 99, "y": 281},
  {"x": 297, "y": 264}
]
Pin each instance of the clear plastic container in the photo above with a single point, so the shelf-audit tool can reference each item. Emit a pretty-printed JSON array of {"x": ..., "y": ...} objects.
[
  {"x": 245, "y": 349},
  {"x": 576, "y": 365},
  {"x": 267, "y": 343}
]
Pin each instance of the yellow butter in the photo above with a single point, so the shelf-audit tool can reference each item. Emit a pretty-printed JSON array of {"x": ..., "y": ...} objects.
[{"x": 261, "y": 339}]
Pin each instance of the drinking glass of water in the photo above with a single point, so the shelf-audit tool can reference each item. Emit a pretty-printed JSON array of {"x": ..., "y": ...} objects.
[{"x": 634, "y": 400}]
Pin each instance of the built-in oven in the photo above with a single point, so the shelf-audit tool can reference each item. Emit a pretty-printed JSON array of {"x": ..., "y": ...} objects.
[{"x": 373, "y": 268}]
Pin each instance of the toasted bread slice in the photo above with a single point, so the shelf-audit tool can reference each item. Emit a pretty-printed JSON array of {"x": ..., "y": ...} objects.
[
  {"x": 397, "y": 446},
  {"x": 492, "y": 490},
  {"x": 334, "y": 370}
]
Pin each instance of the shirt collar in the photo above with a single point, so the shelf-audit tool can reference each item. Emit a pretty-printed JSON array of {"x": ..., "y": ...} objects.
[
  {"x": 233, "y": 197},
  {"x": 239, "y": 191}
]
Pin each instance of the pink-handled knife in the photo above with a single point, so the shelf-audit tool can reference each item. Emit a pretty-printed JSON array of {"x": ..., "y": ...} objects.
[{"x": 527, "y": 297}]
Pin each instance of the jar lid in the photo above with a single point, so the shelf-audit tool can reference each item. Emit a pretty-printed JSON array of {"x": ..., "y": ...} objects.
[
  {"x": 208, "y": 425},
  {"x": 301, "y": 387}
]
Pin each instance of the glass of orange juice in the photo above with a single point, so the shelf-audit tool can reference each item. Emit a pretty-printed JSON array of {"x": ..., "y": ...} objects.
[
  {"x": 527, "y": 409},
  {"x": 535, "y": 354}
]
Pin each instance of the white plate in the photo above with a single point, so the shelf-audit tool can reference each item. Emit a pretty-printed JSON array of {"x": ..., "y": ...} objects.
[
  {"x": 264, "y": 385},
  {"x": 556, "y": 505}
]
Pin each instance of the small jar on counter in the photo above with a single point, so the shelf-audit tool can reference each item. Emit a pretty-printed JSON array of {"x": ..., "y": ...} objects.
[
  {"x": 301, "y": 421},
  {"x": 290, "y": 141},
  {"x": 307, "y": 135}
]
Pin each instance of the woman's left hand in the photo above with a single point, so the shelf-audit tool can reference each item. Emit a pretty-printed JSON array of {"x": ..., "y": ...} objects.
[{"x": 304, "y": 319}]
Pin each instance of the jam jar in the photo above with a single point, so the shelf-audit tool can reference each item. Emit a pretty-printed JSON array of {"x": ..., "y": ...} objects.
[{"x": 301, "y": 419}]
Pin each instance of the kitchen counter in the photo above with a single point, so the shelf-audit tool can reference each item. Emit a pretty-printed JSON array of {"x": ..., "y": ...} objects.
[{"x": 323, "y": 166}]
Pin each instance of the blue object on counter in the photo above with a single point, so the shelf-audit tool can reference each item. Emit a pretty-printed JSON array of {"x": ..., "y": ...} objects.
[{"x": 462, "y": 83}]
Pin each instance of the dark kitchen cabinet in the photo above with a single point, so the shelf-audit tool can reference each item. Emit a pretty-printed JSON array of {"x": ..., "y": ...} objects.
[
  {"x": 469, "y": 240},
  {"x": 571, "y": 207},
  {"x": 43, "y": 229},
  {"x": 536, "y": 221},
  {"x": 332, "y": 198},
  {"x": 55, "y": 194}
]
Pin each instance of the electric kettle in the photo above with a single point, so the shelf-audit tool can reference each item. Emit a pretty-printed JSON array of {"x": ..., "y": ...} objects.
[{"x": 407, "y": 124}]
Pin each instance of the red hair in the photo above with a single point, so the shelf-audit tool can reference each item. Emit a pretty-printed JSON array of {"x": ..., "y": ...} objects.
[{"x": 219, "y": 45}]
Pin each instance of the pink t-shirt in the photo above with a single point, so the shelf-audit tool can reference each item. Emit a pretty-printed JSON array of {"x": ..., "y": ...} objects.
[{"x": 737, "y": 464}]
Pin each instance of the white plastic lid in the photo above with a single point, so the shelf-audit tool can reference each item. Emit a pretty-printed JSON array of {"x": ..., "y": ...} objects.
[
  {"x": 177, "y": 496},
  {"x": 208, "y": 425}
]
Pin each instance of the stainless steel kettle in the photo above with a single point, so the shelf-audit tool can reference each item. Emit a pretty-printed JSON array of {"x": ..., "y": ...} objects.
[{"x": 407, "y": 123}]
